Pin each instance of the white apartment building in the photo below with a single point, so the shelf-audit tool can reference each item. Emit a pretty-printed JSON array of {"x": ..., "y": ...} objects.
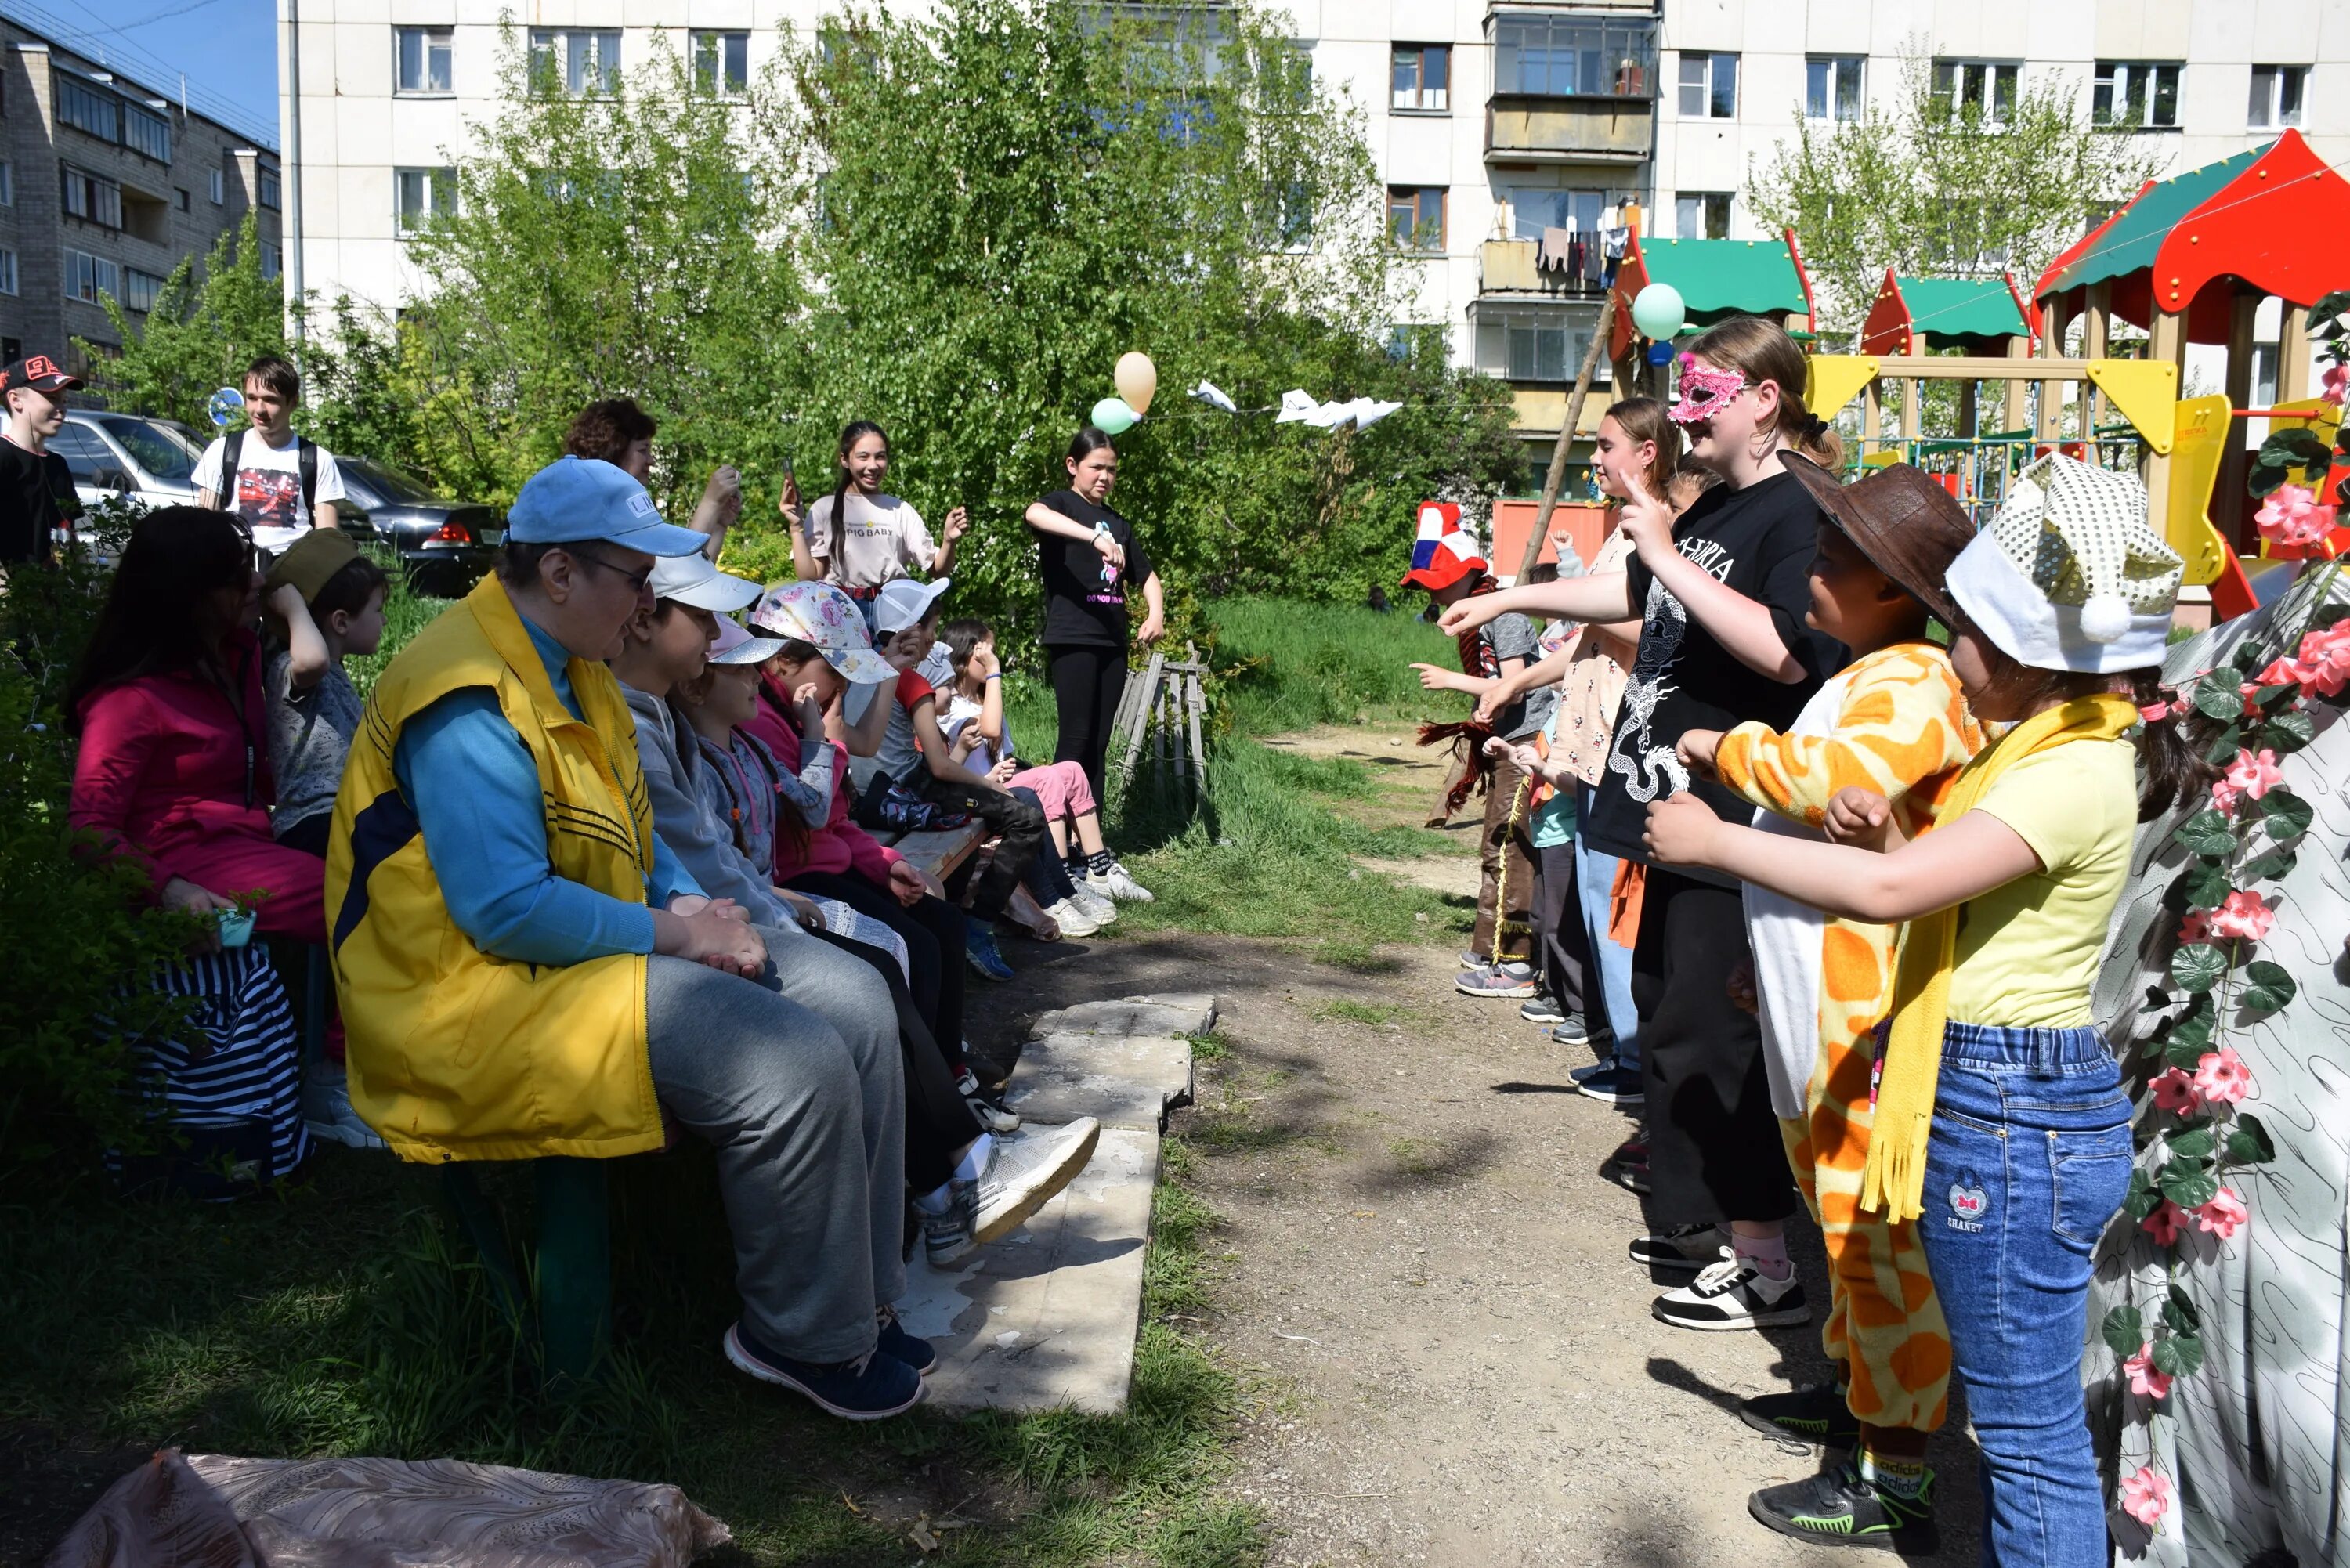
[{"x": 1493, "y": 120}]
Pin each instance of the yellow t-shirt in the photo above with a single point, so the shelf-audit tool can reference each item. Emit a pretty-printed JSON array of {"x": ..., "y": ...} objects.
[{"x": 2027, "y": 952}]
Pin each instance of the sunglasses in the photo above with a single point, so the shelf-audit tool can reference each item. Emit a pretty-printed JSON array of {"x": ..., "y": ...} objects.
[{"x": 1703, "y": 393}]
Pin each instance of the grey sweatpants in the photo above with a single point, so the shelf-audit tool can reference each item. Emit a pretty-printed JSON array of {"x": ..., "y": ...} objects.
[{"x": 795, "y": 1081}]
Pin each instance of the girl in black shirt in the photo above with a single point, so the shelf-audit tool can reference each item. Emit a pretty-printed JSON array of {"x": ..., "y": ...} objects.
[
  {"x": 1090, "y": 556},
  {"x": 1722, "y": 595}
]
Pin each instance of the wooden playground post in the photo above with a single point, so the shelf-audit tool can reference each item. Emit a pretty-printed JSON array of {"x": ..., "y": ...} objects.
[
  {"x": 2169, "y": 346},
  {"x": 2094, "y": 323},
  {"x": 2049, "y": 424},
  {"x": 2016, "y": 408},
  {"x": 1913, "y": 411},
  {"x": 1869, "y": 417},
  {"x": 2228, "y": 490},
  {"x": 2292, "y": 354}
]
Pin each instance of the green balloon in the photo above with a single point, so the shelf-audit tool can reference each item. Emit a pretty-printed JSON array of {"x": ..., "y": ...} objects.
[
  {"x": 1657, "y": 311},
  {"x": 1114, "y": 416}
]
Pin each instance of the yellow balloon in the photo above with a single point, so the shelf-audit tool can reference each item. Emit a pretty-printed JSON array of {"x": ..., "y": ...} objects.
[{"x": 1136, "y": 379}]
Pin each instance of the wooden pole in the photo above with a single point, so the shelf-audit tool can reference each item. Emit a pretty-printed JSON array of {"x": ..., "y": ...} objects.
[
  {"x": 1870, "y": 418},
  {"x": 2047, "y": 426},
  {"x": 2293, "y": 354},
  {"x": 2014, "y": 412},
  {"x": 1913, "y": 412},
  {"x": 2094, "y": 321},
  {"x": 1558, "y": 451},
  {"x": 2169, "y": 346},
  {"x": 2227, "y": 494}
]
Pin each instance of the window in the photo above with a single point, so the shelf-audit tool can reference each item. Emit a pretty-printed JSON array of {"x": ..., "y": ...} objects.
[
  {"x": 86, "y": 455},
  {"x": 721, "y": 63},
  {"x": 1416, "y": 217},
  {"x": 1702, "y": 215},
  {"x": 583, "y": 63},
  {"x": 1533, "y": 342},
  {"x": 1581, "y": 55},
  {"x": 87, "y": 277},
  {"x": 2276, "y": 96},
  {"x": 1832, "y": 87},
  {"x": 218, "y": 187},
  {"x": 424, "y": 194},
  {"x": 1422, "y": 78},
  {"x": 423, "y": 54},
  {"x": 181, "y": 192},
  {"x": 1284, "y": 219},
  {"x": 88, "y": 108},
  {"x": 7, "y": 272},
  {"x": 1985, "y": 85},
  {"x": 91, "y": 196},
  {"x": 2135, "y": 95},
  {"x": 269, "y": 259},
  {"x": 8, "y": 183},
  {"x": 139, "y": 289},
  {"x": 1533, "y": 208},
  {"x": 269, "y": 188},
  {"x": 1708, "y": 86},
  {"x": 145, "y": 131}
]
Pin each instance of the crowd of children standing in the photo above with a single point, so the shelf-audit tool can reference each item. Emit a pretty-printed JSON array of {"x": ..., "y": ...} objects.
[{"x": 1858, "y": 872}]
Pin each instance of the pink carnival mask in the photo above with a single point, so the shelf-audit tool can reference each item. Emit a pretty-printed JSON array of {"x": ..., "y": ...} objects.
[{"x": 1704, "y": 392}]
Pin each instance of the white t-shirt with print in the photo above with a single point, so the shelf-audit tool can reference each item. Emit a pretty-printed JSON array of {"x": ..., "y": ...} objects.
[{"x": 269, "y": 486}]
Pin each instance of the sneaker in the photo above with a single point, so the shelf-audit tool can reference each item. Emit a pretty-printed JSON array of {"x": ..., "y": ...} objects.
[
  {"x": 1471, "y": 959},
  {"x": 979, "y": 947},
  {"x": 327, "y": 1108},
  {"x": 1545, "y": 1009},
  {"x": 1684, "y": 1249},
  {"x": 1571, "y": 1029},
  {"x": 1508, "y": 980},
  {"x": 1615, "y": 1086},
  {"x": 1073, "y": 918},
  {"x": 896, "y": 1342},
  {"x": 1633, "y": 1150},
  {"x": 866, "y": 1389},
  {"x": 1843, "y": 1508},
  {"x": 1024, "y": 1173},
  {"x": 1733, "y": 1294},
  {"x": 1601, "y": 1041},
  {"x": 987, "y": 1106},
  {"x": 1103, "y": 911},
  {"x": 1631, "y": 1178},
  {"x": 1116, "y": 884},
  {"x": 947, "y": 1234},
  {"x": 1578, "y": 1075},
  {"x": 1815, "y": 1413}
]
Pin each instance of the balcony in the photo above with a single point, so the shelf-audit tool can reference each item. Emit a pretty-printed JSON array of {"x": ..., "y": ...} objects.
[
  {"x": 1514, "y": 267},
  {"x": 1554, "y": 128}
]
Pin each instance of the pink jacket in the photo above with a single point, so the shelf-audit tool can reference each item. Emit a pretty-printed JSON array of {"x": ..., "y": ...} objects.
[{"x": 840, "y": 845}]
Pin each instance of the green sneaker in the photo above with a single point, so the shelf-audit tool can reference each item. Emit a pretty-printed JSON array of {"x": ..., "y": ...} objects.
[
  {"x": 1840, "y": 1507},
  {"x": 1815, "y": 1413}
]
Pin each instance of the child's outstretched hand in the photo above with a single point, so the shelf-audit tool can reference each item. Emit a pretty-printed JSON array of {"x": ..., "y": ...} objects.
[
  {"x": 1468, "y": 615},
  {"x": 1680, "y": 829},
  {"x": 1498, "y": 696},
  {"x": 1435, "y": 677},
  {"x": 1861, "y": 818},
  {"x": 1525, "y": 759},
  {"x": 1696, "y": 751},
  {"x": 1741, "y": 986}
]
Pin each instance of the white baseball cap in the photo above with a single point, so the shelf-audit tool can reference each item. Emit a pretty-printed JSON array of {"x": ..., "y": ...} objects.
[
  {"x": 693, "y": 580},
  {"x": 903, "y": 602},
  {"x": 732, "y": 645}
]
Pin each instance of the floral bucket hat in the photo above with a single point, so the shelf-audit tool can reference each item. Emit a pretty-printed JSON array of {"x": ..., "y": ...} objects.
[{"x": 820, "y": 614}]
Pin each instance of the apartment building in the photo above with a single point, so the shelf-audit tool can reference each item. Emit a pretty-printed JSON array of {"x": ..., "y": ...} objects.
[
  {"x": 1494, "y": 120},
  {"x": 106, "y": 183}
]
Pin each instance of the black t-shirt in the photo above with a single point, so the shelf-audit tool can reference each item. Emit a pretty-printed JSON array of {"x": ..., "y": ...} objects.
[
  {"x": 1080, "y": 608},
  {"x": 36, "y": 497},
  {"x": 1760, "y": 541}
]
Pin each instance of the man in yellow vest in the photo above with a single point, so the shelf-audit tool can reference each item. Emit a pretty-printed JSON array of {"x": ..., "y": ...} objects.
[{"x": 525, "y": 970}]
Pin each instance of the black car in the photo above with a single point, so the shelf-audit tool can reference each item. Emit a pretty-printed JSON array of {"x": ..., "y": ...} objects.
[{"x": 446, "y": 545}]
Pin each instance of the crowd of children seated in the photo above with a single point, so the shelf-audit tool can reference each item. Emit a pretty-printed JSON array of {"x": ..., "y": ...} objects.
[
  {"x": 598, "y": 858},
  {"x": 1825, "y": 822}
]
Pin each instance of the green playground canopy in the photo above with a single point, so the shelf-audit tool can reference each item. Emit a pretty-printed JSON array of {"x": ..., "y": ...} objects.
[
  {"x": 1715, "y": 278},
  {"x": 1980, "y": 313},
  {"x": 2128, "y": 243}
]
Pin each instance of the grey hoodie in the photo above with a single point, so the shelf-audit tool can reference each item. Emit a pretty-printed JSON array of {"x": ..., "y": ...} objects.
[{"x": 687, "y": 825}]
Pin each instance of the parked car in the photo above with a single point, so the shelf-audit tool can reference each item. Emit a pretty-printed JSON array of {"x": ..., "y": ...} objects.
[
  {"x": 445, "y": 545},
  {"x": 149, "y": 462}
]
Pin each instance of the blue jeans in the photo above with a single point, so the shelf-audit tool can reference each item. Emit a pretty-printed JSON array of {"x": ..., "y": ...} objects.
[
  {"x": 1595, "y": 877},
  {"x": 2029, "y": 1157}
]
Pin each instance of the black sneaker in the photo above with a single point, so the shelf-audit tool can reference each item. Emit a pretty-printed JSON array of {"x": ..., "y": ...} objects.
[
  {"x": 986, "y": 1106},
  {"x": 1685, "y": 1248},
  {"x": 873, "y": 1385},
  {"x": 1842, "y": 1508},
  {"x": 1571, "y": 1029},
  {"x": 1815, "y": 1413},
  {"x": 900, "y": 1342},
  {"x": 1733, "y": 1294},
  {"x": 1629, "y": 1176},
  {"x": 1618, "y": 1085},
  {"x": 1544, "y": 1008}
]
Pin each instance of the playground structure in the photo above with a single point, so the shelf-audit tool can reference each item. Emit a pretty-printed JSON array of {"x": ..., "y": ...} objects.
[
  {"x": 2188, "y": 260},
  {"x": 1716, "y": 279}
]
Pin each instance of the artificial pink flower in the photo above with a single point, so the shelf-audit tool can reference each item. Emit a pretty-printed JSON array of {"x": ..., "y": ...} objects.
[
  {"x": 2337, "y": 384},
  {"x": 2145, "y": 1379},
  {"x": 2194, "y": 928},
  {"x": 2323, "y": 659},
  {"x": 2221, "y": 1077},
  {"x": 2222, "y": 1214},
  {"x": 2242, "y": 917},
  {"x": 2253, "y": 776},
  {"x": 2284, "y": 672},
  {"x": 2146, "y": 1496},
  {"x": 2291, "y": 517},
  {"x": 2174, "y": 1091},
  {"x": 2165, "y": 1222},
  {"x": 2223, "y": 795}
]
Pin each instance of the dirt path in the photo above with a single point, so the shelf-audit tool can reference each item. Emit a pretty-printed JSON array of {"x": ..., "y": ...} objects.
[{"x": 1453, "y": 1359}]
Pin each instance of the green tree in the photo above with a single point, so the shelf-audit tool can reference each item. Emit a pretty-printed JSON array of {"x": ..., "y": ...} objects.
[
  {"x": 1927, "y": 190},
  {"x": 205, "y": 326}
]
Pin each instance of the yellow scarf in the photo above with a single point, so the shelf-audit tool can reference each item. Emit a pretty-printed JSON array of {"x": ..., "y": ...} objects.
[{"x": 1893, "y": 1180}]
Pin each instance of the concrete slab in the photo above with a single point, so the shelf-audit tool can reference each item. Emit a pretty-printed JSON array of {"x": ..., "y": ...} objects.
[
  {"x": 1190, "y": 1013},
  {"x": 1047, "y": 1316},
  {"x": 1122, "y": 1081}
]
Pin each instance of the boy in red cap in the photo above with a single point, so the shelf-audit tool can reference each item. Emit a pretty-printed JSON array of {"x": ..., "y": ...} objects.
[
  {"x": 37, "y": 497},
  {"x": 1444, "y": 561}
]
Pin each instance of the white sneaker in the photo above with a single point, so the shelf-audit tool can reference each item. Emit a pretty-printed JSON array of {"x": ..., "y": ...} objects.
[
  {"x": 1103, "y": 910},
  {"x": 1114, "y": 883},
  {"x": 1073, "y": 918},
  {"x": 327, "y": 1108},
  {"x": 1732, "y": 1295},
  {"x": 1023, "y": 1175}
]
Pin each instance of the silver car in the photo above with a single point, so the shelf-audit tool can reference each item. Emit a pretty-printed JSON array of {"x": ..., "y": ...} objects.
[{"x": 148, "y": 461}]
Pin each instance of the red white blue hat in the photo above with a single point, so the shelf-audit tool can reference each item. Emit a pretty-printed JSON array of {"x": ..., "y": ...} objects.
[{"x": 1444, "y": 553}]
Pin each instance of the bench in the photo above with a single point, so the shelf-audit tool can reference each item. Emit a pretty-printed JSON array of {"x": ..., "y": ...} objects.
[{"x": 938, "y": 852}]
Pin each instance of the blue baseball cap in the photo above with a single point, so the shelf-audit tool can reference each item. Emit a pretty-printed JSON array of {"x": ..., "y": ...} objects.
[{"x": 574, "y": 500}]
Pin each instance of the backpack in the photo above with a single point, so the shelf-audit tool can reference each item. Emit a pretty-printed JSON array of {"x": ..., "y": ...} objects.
[{"x": 306, "y": 463}]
